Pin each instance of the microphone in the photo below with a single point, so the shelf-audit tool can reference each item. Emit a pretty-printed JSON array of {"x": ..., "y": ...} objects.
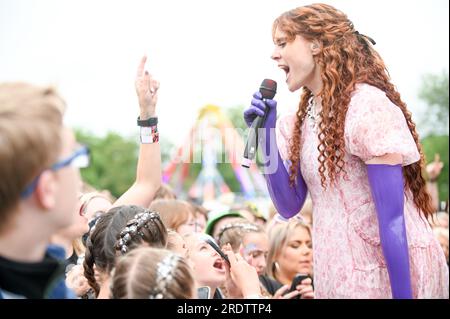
[{"x": 267, "y": 89}]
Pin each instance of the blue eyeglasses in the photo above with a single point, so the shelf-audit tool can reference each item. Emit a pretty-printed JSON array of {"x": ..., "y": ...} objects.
[{"x": 79, "y": 158}]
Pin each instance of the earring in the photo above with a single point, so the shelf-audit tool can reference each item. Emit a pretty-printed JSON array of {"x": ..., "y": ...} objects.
[{"x": 277, "y": 266}]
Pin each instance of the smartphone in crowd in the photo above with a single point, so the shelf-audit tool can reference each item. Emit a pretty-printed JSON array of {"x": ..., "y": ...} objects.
[
  {"x": 208, "y": 239},
  {"x": 204, "y": 292},
  {"x": 297, "y": 281}
]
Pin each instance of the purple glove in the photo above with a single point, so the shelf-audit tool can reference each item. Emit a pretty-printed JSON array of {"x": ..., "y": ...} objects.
[
  {"x": 386, "y": 183},
  {"x": 287, "y": 200},
  {"x": 257, "y": 108}
]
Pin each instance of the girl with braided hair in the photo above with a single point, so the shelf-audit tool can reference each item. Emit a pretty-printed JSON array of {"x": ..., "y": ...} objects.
[
  {"x": 152, "y": 273},
  {"x": 145, "y": 228},
  {"x": 353, "y": 145},
  {"x": 100, "y": 254},
  {"x": 102, "y": 245}
]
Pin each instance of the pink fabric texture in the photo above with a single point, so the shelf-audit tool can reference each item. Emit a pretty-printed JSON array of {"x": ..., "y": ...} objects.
[{"x": 348, "y": 260}]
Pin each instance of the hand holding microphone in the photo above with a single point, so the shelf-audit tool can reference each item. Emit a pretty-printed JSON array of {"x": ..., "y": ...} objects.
[
  {"x": 258, "y": 108},
  {"x": 262, "y": 113}
]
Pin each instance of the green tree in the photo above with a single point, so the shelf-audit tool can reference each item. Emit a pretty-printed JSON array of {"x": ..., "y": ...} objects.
[
  {"x": 434, "y": 92},
  {"x": 113, "y": 161},
  {"x": 433, "y": 144},
  {"x": 235, "y": 114},
  {"x": 167, "y": 150},
  {"x": 229, "y": 176},
  {"x": 225, "y": 170},
  {"x": 236, "y": 117}
]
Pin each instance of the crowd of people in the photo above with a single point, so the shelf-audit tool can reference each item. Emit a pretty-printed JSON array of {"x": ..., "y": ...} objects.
[{"x": 61, "y": 238}]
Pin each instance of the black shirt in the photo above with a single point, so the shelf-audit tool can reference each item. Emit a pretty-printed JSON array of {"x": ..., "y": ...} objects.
[
  {"x": 31, "y": 280},
  {"x": 270, "y": 284}
]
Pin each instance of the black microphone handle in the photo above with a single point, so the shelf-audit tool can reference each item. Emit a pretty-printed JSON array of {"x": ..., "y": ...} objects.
[
  {"x": 266, "y": 112},
  {"x": 251, "y": 147}
]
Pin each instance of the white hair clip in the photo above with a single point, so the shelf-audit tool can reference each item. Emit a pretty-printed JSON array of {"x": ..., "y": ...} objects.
[
  {"x": 243, "y": 226},
  {"x": 164, "y": 274},
  {"x": 140, "y": 220}
]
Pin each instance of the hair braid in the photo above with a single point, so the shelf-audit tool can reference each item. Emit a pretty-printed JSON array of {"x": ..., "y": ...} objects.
[{"x": 88, "y": 265}]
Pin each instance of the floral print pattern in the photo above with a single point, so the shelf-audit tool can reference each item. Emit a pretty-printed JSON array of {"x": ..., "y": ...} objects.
[{"x": 348, "y": 259}]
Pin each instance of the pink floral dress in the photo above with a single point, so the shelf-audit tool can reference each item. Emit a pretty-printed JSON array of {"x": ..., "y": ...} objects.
[{"x": 348, "y": 260}]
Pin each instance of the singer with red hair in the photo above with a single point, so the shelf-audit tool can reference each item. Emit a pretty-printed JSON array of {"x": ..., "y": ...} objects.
[{"x": 353, "y": 146}]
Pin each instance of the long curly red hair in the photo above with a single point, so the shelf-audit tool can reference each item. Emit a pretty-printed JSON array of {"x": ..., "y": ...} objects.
[{"x": 346, "y": 58}]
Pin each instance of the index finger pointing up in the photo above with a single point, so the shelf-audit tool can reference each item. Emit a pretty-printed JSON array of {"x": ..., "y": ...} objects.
[{"x": 141, "y": 66}]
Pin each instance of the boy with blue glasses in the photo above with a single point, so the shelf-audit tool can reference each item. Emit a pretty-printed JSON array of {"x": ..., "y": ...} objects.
[{"x": 39, "y": 180}]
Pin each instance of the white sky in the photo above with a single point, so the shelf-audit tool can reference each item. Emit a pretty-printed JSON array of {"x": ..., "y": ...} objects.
[{"x": 201, "y": 51}]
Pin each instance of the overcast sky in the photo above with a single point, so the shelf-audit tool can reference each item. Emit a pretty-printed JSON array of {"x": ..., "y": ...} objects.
[{"x": 203, "y": 52}]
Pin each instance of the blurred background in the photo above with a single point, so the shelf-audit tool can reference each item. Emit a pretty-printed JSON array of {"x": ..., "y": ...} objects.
[{"x": 210, "y": 56}]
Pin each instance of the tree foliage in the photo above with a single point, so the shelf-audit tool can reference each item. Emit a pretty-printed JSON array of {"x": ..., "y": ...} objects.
[
  {"x": 433, "y": 144},
  {"x": 235, "y": 114},
  {"x": 434, "y": 92},
  {"x": 113, "y": 161}
]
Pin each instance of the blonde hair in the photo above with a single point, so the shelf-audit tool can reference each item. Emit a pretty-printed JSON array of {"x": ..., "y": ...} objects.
[
  {"x": 78, "y": 246},
  {"x": 278, "y": 238},
  {"x": 173, "y": 212},
  {"x": 234, "y": 232},
  {"x": 171, "y": 235},
  {"x": 85, "y": 198},
  {"x": 30, "y": 137},
  {"x": 199, "y": 210},
  {"x": 137, "y": 276},
  {"x": 165, "y": 192}
]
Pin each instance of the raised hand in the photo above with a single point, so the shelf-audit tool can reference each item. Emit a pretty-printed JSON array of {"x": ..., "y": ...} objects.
[
  {"x": 244, "y": 276},
  {"x": 146, "y": 90},
  {"x": 76, "y": 281},
  {"x": 257, "y": 108},
  {"x": 148, "y": 172},
  {"x": 287, "y": 200},
  {"x": 281, "y": 293},
  {"x": 306, "y": 289},
  {"x": 434, "y": 168}
]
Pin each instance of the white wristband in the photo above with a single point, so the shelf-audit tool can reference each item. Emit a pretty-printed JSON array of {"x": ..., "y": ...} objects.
[{"x": 149, "y": 134}]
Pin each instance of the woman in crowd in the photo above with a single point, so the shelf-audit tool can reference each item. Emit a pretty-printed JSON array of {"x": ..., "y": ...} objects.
[
  {"x": 251, "y": 241},
  {"x": 103, "y": 243},
  {"x": 211, "y": 270},
  {"x": 290, "y": 253},
  {"x": 353, "y": 146},
  {"x": 176, "y": 214}
]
